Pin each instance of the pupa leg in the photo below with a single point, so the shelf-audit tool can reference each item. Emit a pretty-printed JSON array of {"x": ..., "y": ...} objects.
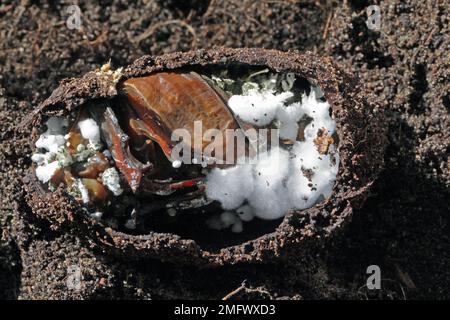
[{"x": 118, "y": 144}]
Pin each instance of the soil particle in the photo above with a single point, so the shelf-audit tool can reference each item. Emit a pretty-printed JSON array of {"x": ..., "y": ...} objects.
[{"x": 323, "y": 141}]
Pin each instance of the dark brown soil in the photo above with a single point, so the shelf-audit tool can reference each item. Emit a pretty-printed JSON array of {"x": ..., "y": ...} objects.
[{"x": 404, "y": 228}]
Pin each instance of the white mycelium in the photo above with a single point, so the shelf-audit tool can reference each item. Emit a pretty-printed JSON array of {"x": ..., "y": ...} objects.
[
  {"x": 53, "y": 155},
  {"x": 46, "y": 171},
  {"x": 230, "y": 186},
  {"x": 282, "y": 179},
  {"x": 83, "y": 191},
  {"x": 294, "y": 175},
  {"x": 90, "y": 130},
  {"x": 257, "y": 107},
  {"x": 51, "y": 142},
  {"x": 226, "y": 220},
  {"x": 111, "y": 180}
]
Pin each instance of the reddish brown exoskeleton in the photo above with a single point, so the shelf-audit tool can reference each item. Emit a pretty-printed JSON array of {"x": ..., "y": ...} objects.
[{"x": 138, "y": 124}]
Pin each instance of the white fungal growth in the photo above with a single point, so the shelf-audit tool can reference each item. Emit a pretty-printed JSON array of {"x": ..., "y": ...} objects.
[
  {"x": 237, "y": 226},
  {"x": 288, "y": 117},
  {"x": 176, "y": 163},
  {"x": 38, "y": 158},
  {"x": 269, "y": 198},
  {"x": 56, "y": 125},
  {"x": 284, "y": 178},
  {"x": 51, "y": 141},
  {"x": 293, "y": 176},
  {"x": 52, "y": 145},
  {"x": 172, "y": 212},
  {"x": 46, "y": 171},
  {"x": 245, "y": 213},
  {"x": 130, "y": 224},
  {"x": 258, "y": 108},
  {"x": 230, "y": 186},
  {"x": 111, "y": 180},
  {"x": 97, "y": 215},
  {"x": 53, "y": 154},
  {"x": 43, "y": 158},
  {"x": 320, "y": 113},
  {"x": 90, "y": 130},
  {"x": 83, "y": 191},
  {"x": 225, "y": 220}
]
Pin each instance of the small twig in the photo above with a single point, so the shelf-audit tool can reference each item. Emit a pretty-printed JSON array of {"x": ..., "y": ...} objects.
[
  {"x": 257, "y": 73},
  {"x": 210, "y": 9},
  {"x": 101, "y": 38},
  {"x": 425, "y": 43},
  {"x": 253, "y": 20},
  {"x": 235, "y": 291},
  {"x": 150, "y": 30},
  {"x": 404, "y": 277},
  {"x": 430, "y": 36},
  {"x": 327, "y": 25},
  {"x": 225, "y": 13},
  {"x": 6, "y": 8},
  {"x": 16, "y": 21}
]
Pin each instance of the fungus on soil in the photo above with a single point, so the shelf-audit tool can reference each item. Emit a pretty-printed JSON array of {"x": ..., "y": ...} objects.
[{"x": 117, "y": 157}]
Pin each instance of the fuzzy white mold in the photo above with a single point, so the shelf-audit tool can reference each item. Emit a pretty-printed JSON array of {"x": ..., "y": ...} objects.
[
  {"x": 225, "y": 220},
  {"x": 53, "y": 154},
  {"x": 258, "y": 108},
  {"x": 83, "y": 191},
  {"x": 222, "y": 185},
  {"x": 281, "y": 180},
  {"x": 90, "y": 130},
  {"x": 51, "y": 141},
  {"x": 46, "y": 171},
  {"x": 111, "y": 180}
]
